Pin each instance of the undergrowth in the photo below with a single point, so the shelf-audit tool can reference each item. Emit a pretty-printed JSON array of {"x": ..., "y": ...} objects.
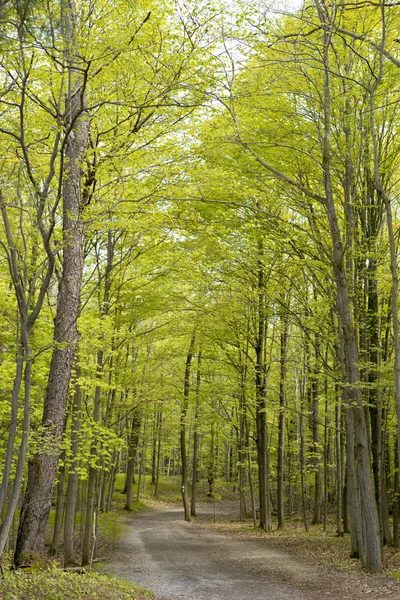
[{"x": 54, "y": 584}]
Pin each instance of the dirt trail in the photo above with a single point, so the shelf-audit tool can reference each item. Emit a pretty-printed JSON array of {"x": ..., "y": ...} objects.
[{"x": 178, "y": 560}]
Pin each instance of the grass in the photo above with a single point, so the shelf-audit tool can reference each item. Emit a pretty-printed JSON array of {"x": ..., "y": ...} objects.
[
  {"x": 53, "y": 584},
  {"x": 169, "y": 490}
]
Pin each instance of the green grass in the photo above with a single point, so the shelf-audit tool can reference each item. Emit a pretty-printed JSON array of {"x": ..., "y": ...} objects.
[
  {"x": 395, "y": 574},
  {"x": 169, "y": 490},
  {"x": 54, "y": 584}
]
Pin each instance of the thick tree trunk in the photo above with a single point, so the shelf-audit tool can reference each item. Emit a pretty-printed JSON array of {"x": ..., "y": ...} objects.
[{"x": 42, "y": 467}]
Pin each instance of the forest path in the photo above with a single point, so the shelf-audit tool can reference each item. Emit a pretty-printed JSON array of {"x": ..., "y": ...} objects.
[{"x": 178, "y": 560}]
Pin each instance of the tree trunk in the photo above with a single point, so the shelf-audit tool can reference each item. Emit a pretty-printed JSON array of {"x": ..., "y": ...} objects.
[
  {"x": 159, "y": 435},
  {"x": 281, "y": 421},
  {"x": 13, "y": 424},
  {"x": 72, "y": 487},
  {"x": 316, "y": 442},
  {"x": 13, "y": 501},
  {"x": 196, "y": 437},
  {"x": 184, "y": 409},
  {"x": 132, "y": 452},
  {"x": 261, "y": 406},
  {"x": 42, "y": 467},
  {"x": 59, "y": 510},
  {"x": 396, "y": 503},
  {"x": 339, "y": 469},
  {"x": 90, "y": 499}
]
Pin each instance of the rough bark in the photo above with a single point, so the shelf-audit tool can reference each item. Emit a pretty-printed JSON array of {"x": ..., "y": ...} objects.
[{"x": 42, "y": 467}]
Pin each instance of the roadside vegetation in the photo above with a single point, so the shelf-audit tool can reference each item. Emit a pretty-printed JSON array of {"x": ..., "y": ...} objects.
[{"x": 53, "y": 584}]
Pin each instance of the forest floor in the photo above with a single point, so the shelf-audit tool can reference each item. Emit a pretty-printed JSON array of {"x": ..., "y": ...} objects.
[
  {"x": 53, "y": 584},
  {"x": 222, "y": 561}
]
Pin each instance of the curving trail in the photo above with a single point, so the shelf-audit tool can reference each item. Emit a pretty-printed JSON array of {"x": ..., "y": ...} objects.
[{"x": 178, "y": 560}]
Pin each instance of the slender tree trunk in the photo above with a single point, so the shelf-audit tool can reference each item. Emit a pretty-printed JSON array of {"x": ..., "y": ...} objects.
[
  {"x": 316, "y": 441},
  {"x": 326, "y": 459},
  {"x": 91, "y": 492},
  {"x": 211, "y": 464},
  {"x": 132, "y": 453},
  {"x": 13, "y": 501},
  {"x": 142, "y": 464},
  {"x": 160, "y": 424},
  {"x": 396, "y": 503},
  {"x": 184, "y": 409},
  {"x": 59, "y": 509},
  {"x": 339, "y": 469},
  {"x": 72, "y": 487},
  {"x": 281, "y": 421},
  {"x": 154, "y": 449},
  {"x": 13, "y": 424},
  {"x": 251, "y": 484},
  {"x": 242, "y": 448},
  {"x": 261, "y": 416},
  {"x": 302, "y": 461},
  {"x": 196, "y": 439}
]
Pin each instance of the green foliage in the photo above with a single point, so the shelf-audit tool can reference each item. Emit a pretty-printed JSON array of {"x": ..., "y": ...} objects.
[{"x": 53, "y": 584}]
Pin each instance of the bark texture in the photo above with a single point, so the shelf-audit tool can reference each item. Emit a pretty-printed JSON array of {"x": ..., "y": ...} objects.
[{"x": 42, "y": 466}]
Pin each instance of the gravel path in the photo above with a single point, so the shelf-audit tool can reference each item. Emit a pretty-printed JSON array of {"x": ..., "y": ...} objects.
[{"x": 177, "y": 560}]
